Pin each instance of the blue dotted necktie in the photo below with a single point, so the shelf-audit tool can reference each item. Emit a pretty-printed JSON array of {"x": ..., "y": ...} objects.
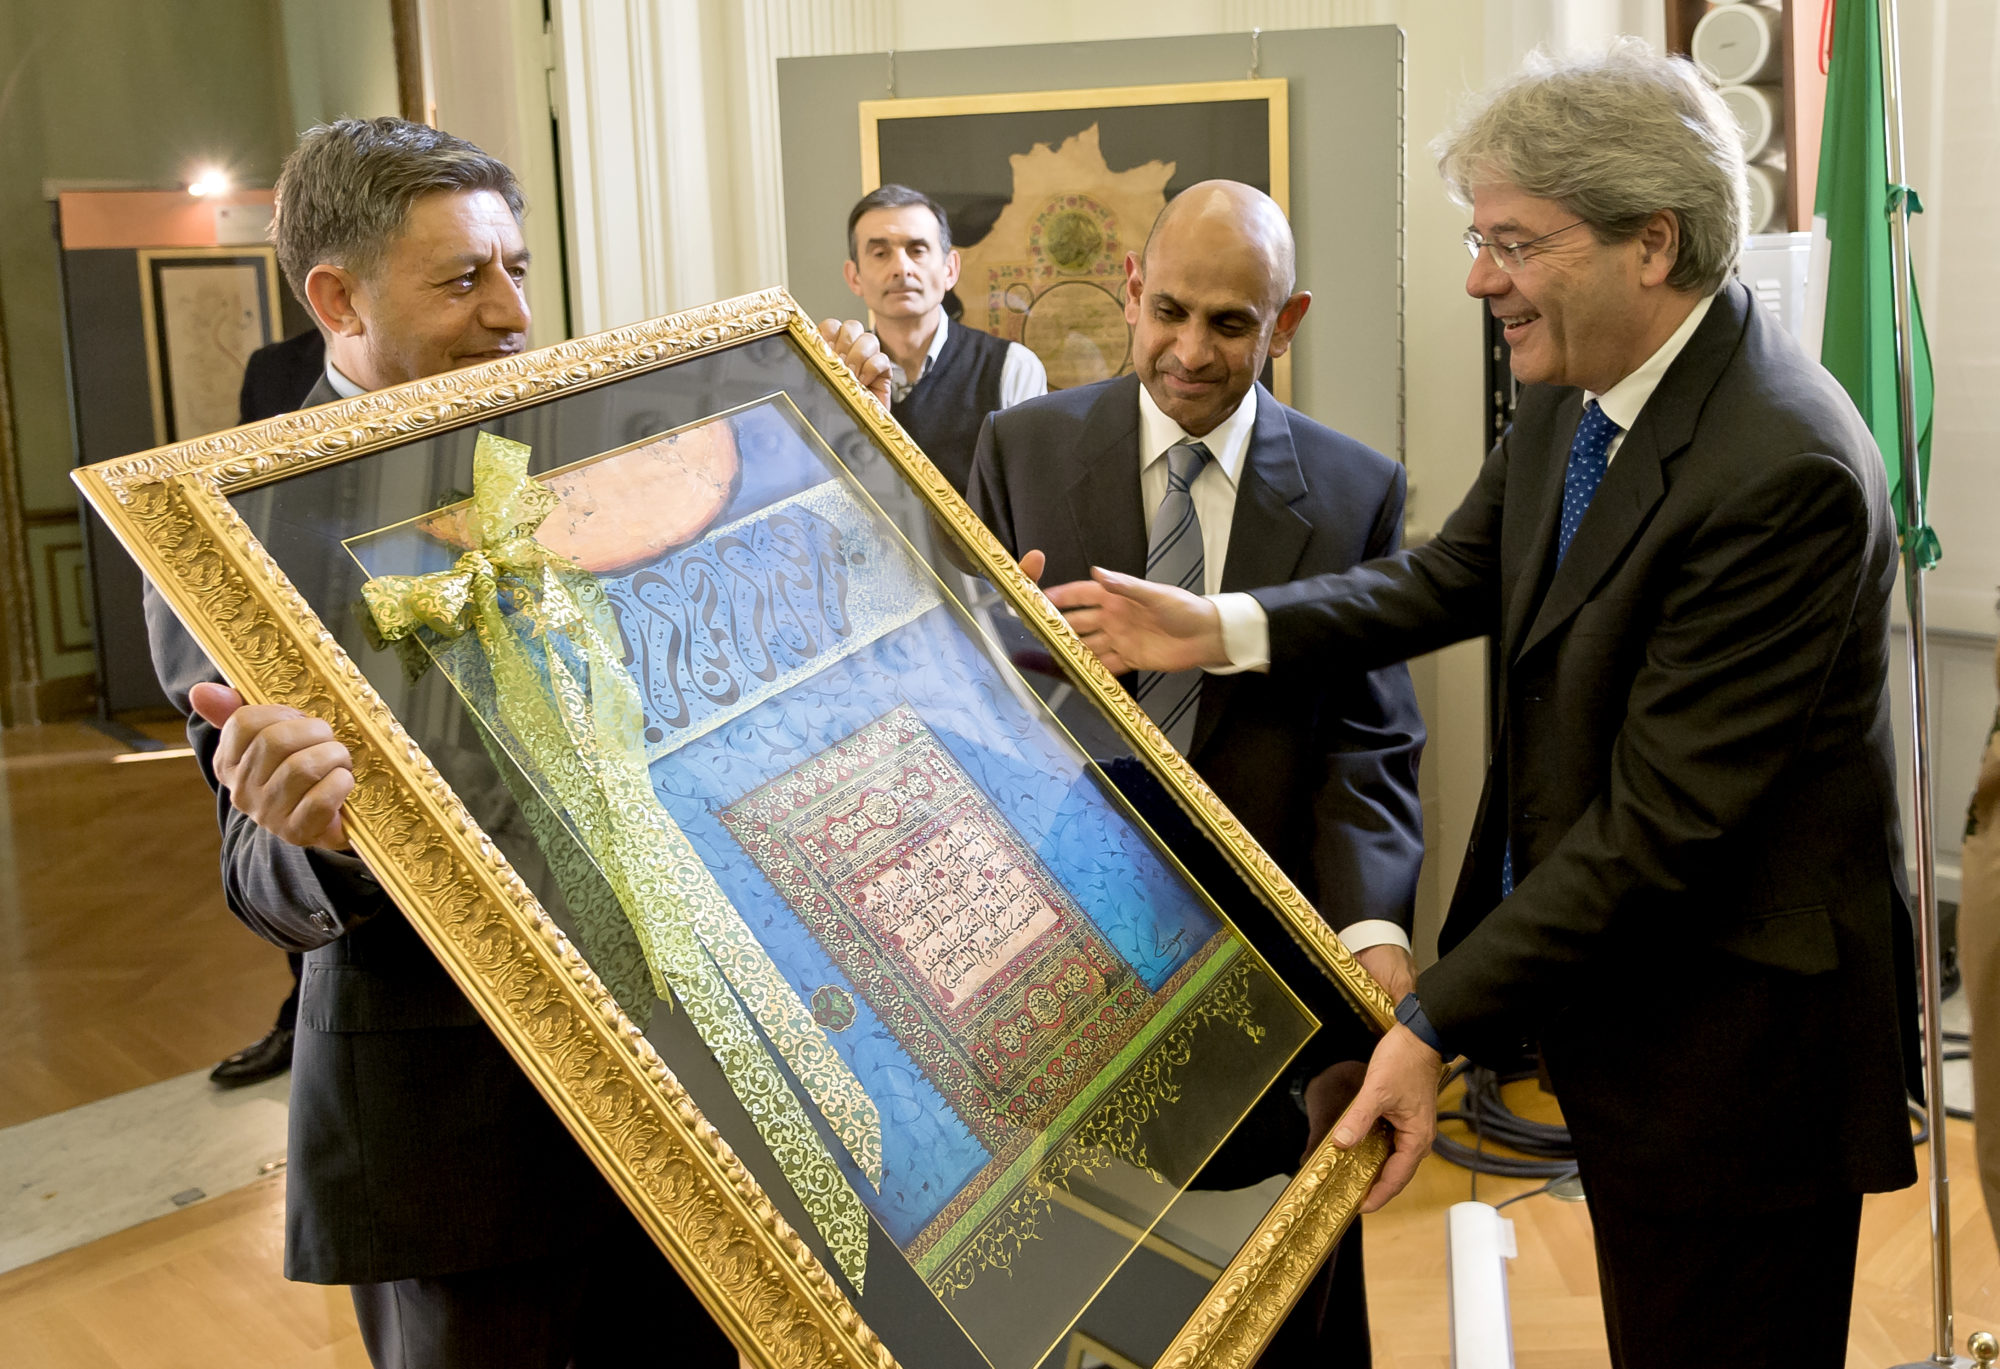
[
  {"x": 1588, "y": 456},
  {"x": 1173, "y": 556}
]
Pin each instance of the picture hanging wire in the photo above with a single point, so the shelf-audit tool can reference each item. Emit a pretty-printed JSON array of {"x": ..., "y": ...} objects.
[
  {"x": 891, "y": 54},
  {"x": 1256, "y": 51}
]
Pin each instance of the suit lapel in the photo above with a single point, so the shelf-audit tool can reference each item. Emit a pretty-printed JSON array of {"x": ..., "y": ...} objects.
[
  {"x": 1109, "y": 525},
  {"x": 1636, "y": 480},
  {"x": 1266, "y": 536},
  {"x": 322, "y": 393}
]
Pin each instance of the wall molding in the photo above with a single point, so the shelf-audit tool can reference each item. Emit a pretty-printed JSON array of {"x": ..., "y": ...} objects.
[{"x": 20, "y": 656}]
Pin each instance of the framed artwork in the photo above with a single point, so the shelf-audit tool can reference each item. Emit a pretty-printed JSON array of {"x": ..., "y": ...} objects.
[
  {"x": 1048, "y": 190},
  {"x": 899, "y": 1015},
  {"x": 206, "y": 310}
]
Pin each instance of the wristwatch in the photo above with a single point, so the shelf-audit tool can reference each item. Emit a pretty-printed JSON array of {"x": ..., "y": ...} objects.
[{"x": 1410, "y": 1013}]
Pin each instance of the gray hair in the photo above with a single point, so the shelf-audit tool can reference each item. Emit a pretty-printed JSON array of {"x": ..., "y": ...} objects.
[
  {"x": 1614, "y": 139},
  {"x": 345, "y": 192}
]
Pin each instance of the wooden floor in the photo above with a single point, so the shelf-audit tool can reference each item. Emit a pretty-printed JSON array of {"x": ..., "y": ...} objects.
[
  {"x": 120, "y": 967},
  {"x": 119, "y": 964}
]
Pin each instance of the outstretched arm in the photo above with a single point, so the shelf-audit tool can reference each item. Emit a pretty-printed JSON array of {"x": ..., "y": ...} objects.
[{"x": 1382, "y": 611}]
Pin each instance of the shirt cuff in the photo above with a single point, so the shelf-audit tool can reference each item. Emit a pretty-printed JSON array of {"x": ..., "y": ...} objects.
[
  {"x": 1373, "y": 931},
  {"x": 1246, "y": 634}
]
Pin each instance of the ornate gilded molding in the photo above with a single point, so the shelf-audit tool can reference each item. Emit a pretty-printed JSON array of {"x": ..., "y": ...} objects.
[
  {"x": 536, "y": 991},
  {"x": 1242, "y": 1311},
  {"x": 1189, "y": 790},
  {"x": 753, "y": 1271},
  {"x": 243, "y": 457}
]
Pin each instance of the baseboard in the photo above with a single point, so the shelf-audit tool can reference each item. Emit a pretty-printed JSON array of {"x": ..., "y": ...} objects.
[{"x": 48, "y": 701}]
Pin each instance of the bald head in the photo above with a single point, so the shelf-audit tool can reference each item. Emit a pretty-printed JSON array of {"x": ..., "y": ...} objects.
[
  {"x": 1212, "y": 297},
  {"x": 1229, "y": 216}
]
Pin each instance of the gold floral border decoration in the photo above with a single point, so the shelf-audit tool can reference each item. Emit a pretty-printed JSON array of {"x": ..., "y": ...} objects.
[{"x": 754, "y": 1273}]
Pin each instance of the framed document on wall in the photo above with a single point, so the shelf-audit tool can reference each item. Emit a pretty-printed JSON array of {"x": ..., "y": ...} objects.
[
  {"x": 899, "y": 1016},
  {"x": 206, "y": 310},
  {"x": 1047, "y": 191}
]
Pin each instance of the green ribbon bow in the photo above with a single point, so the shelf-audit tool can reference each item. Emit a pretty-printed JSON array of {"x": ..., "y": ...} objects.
[{"x": 582, "y": 731}]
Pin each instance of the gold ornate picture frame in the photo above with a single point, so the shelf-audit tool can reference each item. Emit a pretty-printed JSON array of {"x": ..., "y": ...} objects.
[
  {"x": 309, "y": 556},
  {"x": 1048, "y": 190}
]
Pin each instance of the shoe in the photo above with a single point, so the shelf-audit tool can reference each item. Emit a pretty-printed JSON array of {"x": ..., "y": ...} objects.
[{"x": 267, "y": 1059}]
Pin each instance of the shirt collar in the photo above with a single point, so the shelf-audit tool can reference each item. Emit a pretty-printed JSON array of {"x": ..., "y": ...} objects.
[
  {"x": 1228, "y": 442},
  {"x": 342, "y": 386},
  {"x": 898, "y": 380},
  {"x": 1623, "y": 401}
]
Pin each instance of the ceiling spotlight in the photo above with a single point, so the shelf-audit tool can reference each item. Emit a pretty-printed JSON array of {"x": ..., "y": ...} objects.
[{"x": 209, "y": 182}]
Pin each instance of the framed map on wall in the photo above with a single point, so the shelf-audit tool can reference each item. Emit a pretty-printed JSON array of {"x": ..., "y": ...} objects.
[
  {"x": 206, "y": 310},
  {"x": 1047, "y": 191}
]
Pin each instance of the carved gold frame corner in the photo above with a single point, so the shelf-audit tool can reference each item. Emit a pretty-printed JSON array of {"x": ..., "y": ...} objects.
[{"x": 753, "y": 1272}]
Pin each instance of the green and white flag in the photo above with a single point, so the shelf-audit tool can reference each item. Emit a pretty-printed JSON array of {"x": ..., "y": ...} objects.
[{"x": 1850, "y": 304}]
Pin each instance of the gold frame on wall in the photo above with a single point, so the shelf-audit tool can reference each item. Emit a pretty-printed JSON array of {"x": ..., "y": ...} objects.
[
  {"x": 1275, "y": 91},
  {"x": 756, "y": 1275},
  {"x": 155, "y": 322}
]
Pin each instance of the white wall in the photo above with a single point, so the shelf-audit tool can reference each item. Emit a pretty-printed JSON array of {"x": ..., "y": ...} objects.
[{"x": 340, "y": 60}]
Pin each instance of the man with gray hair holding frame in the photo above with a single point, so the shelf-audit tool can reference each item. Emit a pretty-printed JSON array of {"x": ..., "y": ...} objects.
[
  {"x": 424, "y": 1169},
  {"x": 1685, "y": 884}
]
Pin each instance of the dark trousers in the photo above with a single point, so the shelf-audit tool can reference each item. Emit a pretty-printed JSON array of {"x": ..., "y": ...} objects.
[
  {"x": 619, "y": 1304},
  {"x": 1741, "y": 1289},
  {"x": 288, "y": 1011}
]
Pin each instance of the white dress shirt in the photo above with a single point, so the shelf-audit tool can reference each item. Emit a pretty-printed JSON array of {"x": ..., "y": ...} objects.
[
  {"x": 1214, "y": 494},
  {"x": 342, "y": 386},
  {"x": 1022, "y": 375},
  {"x": 1246, "y": 633}
]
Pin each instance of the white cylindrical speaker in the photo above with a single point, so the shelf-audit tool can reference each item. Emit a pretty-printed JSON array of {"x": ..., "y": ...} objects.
[
  {"x": 1739, "y": 44},
  {"x": 1760, "y": 113},
  {"x": 1767, "y": 198}
]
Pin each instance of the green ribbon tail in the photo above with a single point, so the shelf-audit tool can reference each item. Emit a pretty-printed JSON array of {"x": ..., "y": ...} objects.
[{"x": 585, "y": 745}]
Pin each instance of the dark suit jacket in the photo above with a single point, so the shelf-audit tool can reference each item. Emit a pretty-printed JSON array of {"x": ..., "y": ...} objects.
[
  {"x": 282, "y": 376},
  {"x": 1708, "y": 937},
  {"x": 417, "y": 1146},
  {"x": 1322, "y": 770}
]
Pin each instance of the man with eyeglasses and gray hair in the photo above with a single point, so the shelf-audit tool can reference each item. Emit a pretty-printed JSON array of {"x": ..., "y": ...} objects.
[{"x": 1685, "y": 886}]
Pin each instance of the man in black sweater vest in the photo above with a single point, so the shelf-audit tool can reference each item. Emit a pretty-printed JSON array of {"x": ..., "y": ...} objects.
[{"x": 943, "y": 379}]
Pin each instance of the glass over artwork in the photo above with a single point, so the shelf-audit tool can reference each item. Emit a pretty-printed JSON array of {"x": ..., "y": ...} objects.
[{"x": 689, "y": 649}]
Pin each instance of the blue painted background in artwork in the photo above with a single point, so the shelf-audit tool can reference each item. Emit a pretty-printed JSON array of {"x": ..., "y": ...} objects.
[
  {"x": 933, "y": 664},
  {"x": 1143, "y": 909}
]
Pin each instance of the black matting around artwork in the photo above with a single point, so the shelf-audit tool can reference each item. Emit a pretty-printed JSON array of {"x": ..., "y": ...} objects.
[{"x": 961, "y": 160}]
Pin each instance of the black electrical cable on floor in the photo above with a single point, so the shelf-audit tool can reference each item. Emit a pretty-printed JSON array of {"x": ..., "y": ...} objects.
[{"x": 1547, "y": 1146}]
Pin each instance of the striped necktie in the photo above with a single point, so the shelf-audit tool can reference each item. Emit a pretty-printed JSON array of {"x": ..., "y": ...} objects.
[
  {"x": 1174, "y": 557},
  {"x": 1589, "y": 457}
]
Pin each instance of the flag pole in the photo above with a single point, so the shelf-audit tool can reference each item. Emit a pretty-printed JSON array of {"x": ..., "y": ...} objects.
[{"x": 1921, "y": 810}]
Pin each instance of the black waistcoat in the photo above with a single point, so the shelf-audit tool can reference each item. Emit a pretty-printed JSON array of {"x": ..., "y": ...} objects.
[{"x": 943, "y": 410}]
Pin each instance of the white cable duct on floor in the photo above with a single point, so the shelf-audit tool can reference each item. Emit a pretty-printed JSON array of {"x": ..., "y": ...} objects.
[{"x": 1478, "y": 1244}]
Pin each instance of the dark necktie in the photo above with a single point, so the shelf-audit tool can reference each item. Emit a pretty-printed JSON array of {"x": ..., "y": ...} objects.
[
  {"x": 1588, "y": 457},
  {"x": 1174, "y": 557}
]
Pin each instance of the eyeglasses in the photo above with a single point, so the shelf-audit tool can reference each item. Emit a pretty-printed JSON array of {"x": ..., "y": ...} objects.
[{"x": 1508, "y": 256}]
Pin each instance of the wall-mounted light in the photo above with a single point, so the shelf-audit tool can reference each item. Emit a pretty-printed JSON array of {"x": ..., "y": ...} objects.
[{"x": 209, "y": 181}]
